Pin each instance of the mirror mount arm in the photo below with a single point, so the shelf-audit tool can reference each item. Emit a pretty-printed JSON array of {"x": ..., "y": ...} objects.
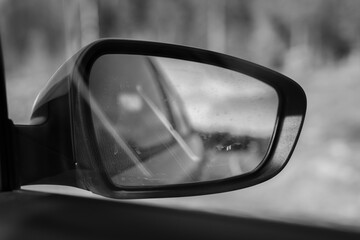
[
  {"x": 44, "y": 152},
  {"x": 37, "y": 163}
]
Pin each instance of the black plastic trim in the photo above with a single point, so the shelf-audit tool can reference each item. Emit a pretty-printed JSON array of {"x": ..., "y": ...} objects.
[{"x": 7, "y": 165}]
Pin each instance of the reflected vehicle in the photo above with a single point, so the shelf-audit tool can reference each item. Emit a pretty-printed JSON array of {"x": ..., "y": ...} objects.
[
  {"x": 143, "y": 134},
  {"x": 154, "y": 128}
]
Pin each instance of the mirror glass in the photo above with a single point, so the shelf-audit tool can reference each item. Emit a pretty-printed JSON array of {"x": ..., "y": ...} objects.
[{"x": 161, "y": 121}]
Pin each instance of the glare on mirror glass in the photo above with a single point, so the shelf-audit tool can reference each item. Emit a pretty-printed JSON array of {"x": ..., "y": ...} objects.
[{"x": 161, "y": 121}]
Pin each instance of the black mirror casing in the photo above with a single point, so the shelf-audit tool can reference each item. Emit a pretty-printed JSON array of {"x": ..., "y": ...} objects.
[
  {"x": 291, "y": 111},
  {"x": 88, "y": 165}
]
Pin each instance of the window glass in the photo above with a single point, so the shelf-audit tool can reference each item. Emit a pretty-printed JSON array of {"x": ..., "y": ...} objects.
[{"x": 314, "y": 42}]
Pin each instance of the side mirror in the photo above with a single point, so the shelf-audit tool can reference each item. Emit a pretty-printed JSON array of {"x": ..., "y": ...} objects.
[{"x": 149, "y": 119}]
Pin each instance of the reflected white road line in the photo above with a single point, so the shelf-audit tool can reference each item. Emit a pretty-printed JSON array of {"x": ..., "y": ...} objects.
[
  {"x": 110, "y": 128},
  {"x": 168, "y": 126}
]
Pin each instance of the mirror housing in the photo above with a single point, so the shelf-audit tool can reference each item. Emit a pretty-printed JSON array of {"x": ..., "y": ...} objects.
[{"x": 82, "y": 160}]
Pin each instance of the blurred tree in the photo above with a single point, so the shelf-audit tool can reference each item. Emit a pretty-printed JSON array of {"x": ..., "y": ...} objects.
[
  {"x": 89, "y": 21},
  {"x": 268, "y": 32},
  {"x": 216, "y": 25},
  {"x": 239, "y": 25},
  {"x": 115, "y": 17},
  {"x": 339, "y": 28},
  {"x": 329, "y": 29},
  {"x": 167, "y": 21},
  {"x": 24, "y": 20}
]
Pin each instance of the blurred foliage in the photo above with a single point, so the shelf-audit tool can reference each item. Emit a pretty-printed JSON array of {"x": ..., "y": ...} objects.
[
  {"x": 259, "y": 30},
  {"x": 23, "y": 22}
]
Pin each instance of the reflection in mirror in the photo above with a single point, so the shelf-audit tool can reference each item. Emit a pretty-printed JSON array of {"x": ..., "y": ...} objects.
[{"x": 164, "y": 121}]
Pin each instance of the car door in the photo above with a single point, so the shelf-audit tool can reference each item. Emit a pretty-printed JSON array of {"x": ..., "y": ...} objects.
[{"x": 26, "y": 214}]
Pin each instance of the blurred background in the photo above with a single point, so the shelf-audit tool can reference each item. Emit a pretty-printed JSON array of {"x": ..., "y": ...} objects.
[{"x": 315, "y": 42}]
